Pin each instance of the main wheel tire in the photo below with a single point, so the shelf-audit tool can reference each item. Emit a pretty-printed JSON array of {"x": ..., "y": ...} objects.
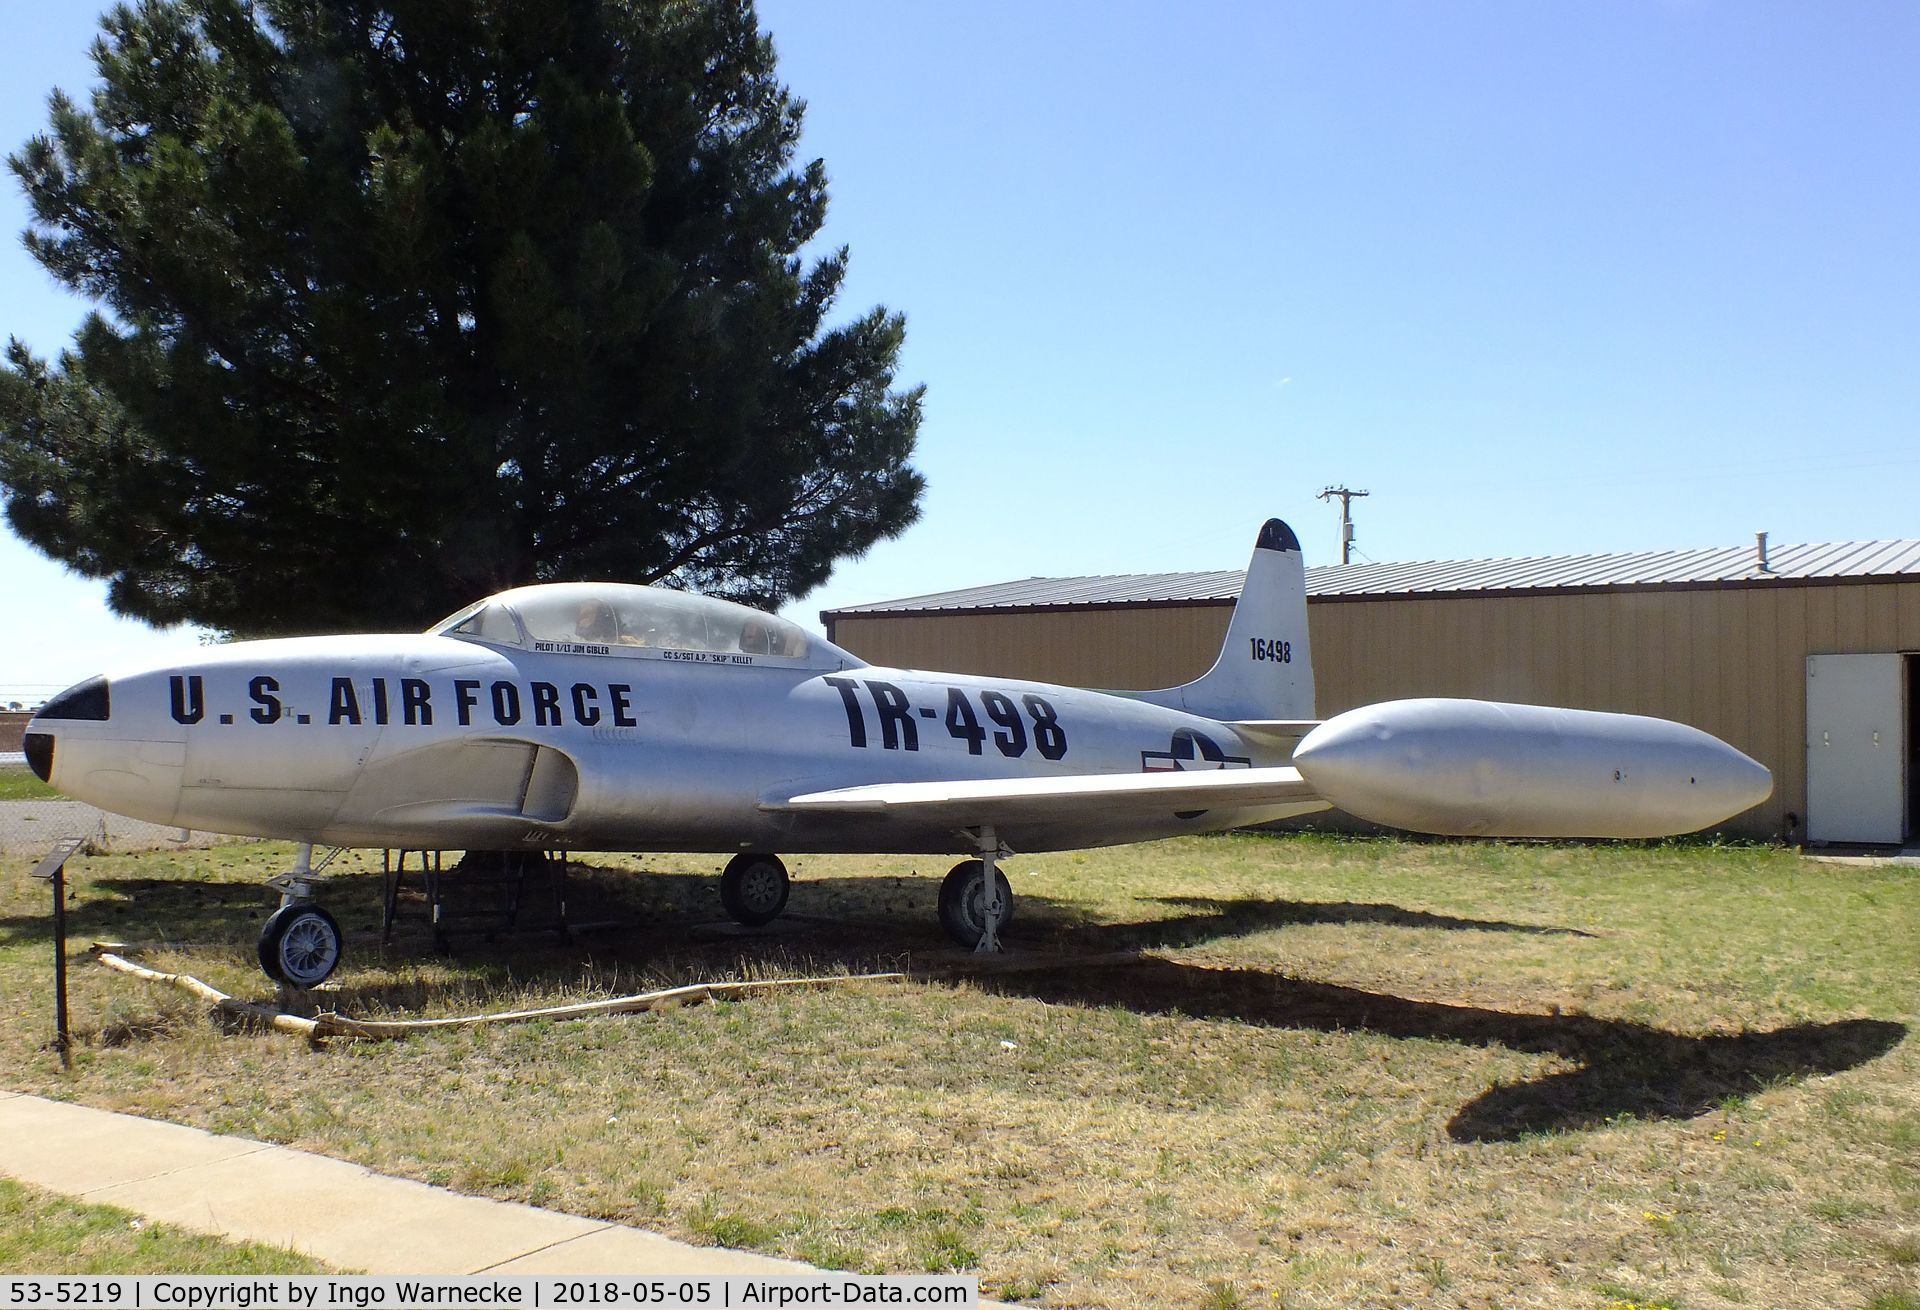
[
  {"x": 300, "y": 945},
  {"x": 962, "y": 896},
  {"x": 754, "y": 888}
]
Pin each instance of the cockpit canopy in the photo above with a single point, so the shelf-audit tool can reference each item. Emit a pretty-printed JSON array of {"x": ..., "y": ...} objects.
[{"x": 617, "y": 618}]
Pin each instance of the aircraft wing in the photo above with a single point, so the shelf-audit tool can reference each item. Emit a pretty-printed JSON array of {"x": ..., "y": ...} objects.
[{"x": 1072, "y": 796}]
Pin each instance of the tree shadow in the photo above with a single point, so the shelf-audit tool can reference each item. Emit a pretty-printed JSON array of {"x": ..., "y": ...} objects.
[
  {"x": 174, "y": 909},
  {"x": 200, "y": 910}
]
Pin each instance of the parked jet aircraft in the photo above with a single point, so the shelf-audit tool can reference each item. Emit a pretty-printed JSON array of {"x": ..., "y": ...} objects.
[{"x": 603, "y": 716}]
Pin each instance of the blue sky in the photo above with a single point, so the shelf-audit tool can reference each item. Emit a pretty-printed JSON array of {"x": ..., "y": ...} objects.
[{"x": 1542, "y": 278}]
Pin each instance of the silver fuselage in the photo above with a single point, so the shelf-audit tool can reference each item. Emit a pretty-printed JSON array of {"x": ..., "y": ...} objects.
[{"x": 442, "y": 742}]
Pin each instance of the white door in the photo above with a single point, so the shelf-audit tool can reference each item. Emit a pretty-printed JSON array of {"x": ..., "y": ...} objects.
[{"x": 1856, "y": 748}]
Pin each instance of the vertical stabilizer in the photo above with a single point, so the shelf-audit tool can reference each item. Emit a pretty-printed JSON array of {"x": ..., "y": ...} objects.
[{"x": 1265, "y": 669}]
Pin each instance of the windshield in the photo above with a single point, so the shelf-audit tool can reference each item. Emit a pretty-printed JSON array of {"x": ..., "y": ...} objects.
[
  {"x": 603, "y": 618},
  {"x": 487, "y": 621}
]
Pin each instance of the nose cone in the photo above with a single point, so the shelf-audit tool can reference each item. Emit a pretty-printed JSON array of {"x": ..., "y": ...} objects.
[
  {"x": 1408, "y": 764},
  {"x": 1348, "y": 748},
  {"x": 84, "y": 702},
  {"x": 1748, "y": 781}
]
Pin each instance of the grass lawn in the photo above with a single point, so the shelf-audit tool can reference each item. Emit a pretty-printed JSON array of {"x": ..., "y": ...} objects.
[
  {"x": 17, "y": 783},
  {"x": 45, "y": 1234},
  {"x": 1244, "y": 1071}
]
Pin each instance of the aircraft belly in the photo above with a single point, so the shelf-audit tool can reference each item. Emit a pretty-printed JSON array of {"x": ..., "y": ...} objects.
[{"x": 897, "y": 835}]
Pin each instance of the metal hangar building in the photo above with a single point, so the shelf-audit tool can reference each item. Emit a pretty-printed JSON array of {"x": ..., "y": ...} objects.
[{"x": 1805, "y": 657}]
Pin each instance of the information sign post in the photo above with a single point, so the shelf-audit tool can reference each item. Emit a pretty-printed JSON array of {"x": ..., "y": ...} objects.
[{"x": 53, "y": 869}]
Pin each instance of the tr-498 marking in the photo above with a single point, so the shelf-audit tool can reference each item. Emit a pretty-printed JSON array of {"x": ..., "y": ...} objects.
[{"x": 898, "y": 731}]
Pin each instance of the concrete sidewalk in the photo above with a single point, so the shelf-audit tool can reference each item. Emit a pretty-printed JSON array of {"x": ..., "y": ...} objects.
[{"x": 339, "y": 1213}]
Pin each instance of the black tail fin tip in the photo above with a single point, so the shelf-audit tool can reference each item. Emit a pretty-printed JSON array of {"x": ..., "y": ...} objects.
[{"x": 1276, "y": 535}]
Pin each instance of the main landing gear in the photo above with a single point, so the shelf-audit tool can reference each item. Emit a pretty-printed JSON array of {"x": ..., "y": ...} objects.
[
  {"x": 300, "y": 942},
  {"x": 963, "y": 905},
  {"x": 976, "y": 901},
  {"x": 753, "y": 889}
]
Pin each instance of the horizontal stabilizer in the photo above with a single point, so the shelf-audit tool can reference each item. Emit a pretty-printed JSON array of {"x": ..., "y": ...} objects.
[{"x": 1274, "y": 734}]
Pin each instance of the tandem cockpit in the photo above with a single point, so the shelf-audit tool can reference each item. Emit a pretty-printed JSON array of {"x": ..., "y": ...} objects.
[{"x": 619, "y": 618}]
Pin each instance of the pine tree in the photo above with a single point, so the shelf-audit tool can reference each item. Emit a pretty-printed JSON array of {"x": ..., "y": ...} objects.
[{"x": 406, "y": 301}]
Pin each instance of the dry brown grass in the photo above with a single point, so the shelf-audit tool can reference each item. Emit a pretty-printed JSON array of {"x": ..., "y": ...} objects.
[{"x": 1329, "y": 1073}]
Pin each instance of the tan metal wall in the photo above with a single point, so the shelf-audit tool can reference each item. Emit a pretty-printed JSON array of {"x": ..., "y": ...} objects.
[
  {"x": 1731, "y": 661},
  {"x": 1136, "y": 648}
]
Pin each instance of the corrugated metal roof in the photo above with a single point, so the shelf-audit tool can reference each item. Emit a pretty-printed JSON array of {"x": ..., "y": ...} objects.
[{"x": 1714, "y": 566}]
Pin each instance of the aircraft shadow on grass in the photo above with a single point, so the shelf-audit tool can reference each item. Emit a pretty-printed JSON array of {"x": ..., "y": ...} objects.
[
  {"x": 1209, "y": 919},
  {"x": 1622, "y": 1069},
  {"x": 1625, "y": 1069}
]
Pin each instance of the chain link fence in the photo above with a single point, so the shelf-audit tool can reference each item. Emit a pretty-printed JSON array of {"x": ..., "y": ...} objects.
[{"x": 30, "y": 827}]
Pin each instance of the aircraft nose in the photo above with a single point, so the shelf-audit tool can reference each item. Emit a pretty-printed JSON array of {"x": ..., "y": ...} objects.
[{"x": 90, "y": 701}]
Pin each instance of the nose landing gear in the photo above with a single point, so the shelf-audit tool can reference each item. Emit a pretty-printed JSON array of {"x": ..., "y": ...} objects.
[{"x": 300, "y": 944}]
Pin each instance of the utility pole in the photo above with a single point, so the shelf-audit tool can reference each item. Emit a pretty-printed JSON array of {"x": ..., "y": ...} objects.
[{"x": 1346, "y": 517}]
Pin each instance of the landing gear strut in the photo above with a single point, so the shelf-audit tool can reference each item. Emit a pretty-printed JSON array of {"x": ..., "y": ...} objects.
[
  {"x": 300, "y": 944},
  {"x": 976, "y": 901}
]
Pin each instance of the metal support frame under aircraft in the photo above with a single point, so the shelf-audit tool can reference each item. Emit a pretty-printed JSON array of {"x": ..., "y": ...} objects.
[{"x": 604, "y": 716}]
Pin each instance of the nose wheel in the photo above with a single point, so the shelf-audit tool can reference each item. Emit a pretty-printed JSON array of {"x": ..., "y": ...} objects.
[{"x": 300, "y": 945}]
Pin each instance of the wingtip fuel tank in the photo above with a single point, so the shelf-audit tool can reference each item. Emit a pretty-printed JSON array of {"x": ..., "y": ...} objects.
[{"x": 1469, "y": 768}]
